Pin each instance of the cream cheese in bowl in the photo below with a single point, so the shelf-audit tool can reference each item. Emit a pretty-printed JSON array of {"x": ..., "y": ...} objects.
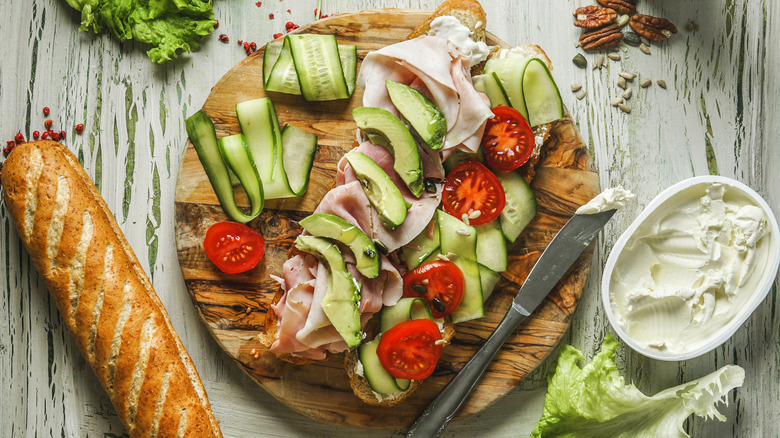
[{"x": 692, "y": 267}]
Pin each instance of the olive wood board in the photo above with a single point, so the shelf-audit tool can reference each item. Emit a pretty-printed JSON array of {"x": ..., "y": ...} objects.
[{"x": 234, "y": 307}]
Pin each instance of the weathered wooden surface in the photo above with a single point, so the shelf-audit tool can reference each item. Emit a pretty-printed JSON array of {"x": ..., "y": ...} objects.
[
  {"x": 234, "y": 306},
  {"x": 718, "y": 114}
]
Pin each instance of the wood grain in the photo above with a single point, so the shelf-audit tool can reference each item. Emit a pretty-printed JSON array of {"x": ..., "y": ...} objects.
[{"x": 234, "y": 306}]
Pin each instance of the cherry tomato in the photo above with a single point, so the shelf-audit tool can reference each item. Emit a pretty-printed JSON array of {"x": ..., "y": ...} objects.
[
  {"x": 508, "y": 140},
  {"x": 472, "y": 189},
  {"x": 409, "y": 350},
  {"x": 439, "y": 282},
  {"x": 234, "y": 247}
]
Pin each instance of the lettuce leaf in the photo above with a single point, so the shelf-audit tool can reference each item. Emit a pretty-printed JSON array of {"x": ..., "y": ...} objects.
[
  {"x": 169, "y": 25},
  {"x": 594, "y": 400}
]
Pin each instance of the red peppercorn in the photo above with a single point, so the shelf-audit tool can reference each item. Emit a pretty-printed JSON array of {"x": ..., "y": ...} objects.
[
  {"x": 253, "y": 46},
  {"x": 46, "y": 111},
  {"x": 45, "y": 135},
  {"x": 240, "y": 42},
  {"x": 62, "y": 135},
  {"x": 258, "y": 4},
  {"x": 36, "y": 135},
  {"x": 10, "y": 144},
  {"x": 289, "y": 24},
  {"x": 277, "y": 35},
  {"x": 270, "y": 16},
  {"x": 79, "y": 128},
  {"x": 48, "y": 123},
  {"x": 224, "y": 38},
  {"x": 216, "y": 25},
  {"x": 55, "y": 136},
  {"x": 19, "y": 138}
]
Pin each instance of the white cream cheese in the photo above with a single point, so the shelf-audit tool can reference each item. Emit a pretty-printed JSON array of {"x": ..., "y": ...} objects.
[
  {"x": 690, "y": 267},
  {"x": 611, "y": 199},
  {"x": 451, "y": 29}
]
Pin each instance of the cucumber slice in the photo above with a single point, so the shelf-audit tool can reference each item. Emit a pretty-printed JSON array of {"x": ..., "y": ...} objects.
[
  {"x": 415, "y": 257},
  {"x": 509, "y": 72},
  {"x": 404, "y": 310},
  {"x": 489, "y": 279},
  {"x": 270, "y": 55},
  {"x": 491, "y": 246},
  {"x": 236, "y": 155},
  {"x": 348, "y": 57},
  {"x": 379, "y": 379},
  {"x": 457, "y": 237},
  {"x": 489, "y": 84},
  {"x": 201, "y": 131},
  {"x": 461, "y": 240},
  {"x": 520, "y": 206},
  {"x": 542, "y": 97},
  {"x": 318, "y": 65},
  {"x": 283, "y": 77},
  {"x": 472, "y": 304},
  {"x": 298, "y": 149},
  {"x": 261, "y": 128}
]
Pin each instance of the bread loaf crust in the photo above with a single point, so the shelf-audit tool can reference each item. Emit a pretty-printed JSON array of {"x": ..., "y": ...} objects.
[{"x": 105, "y": 298}]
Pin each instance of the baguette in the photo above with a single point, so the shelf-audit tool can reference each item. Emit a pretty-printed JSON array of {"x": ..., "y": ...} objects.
[{"x": 104, "y": 297}]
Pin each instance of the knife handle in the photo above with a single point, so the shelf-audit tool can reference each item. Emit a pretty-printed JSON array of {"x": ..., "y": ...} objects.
[{"x": 437, "y": 415}]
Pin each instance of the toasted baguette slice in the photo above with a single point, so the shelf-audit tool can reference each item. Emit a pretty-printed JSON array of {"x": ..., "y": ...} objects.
[
  {"x": 468, "y": 12},
  {"x": 363, "y": 390},
  {"x": 105, "y": 298}
]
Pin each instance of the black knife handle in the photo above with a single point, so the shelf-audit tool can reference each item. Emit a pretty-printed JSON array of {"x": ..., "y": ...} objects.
[{"x": 434, "y": 419}]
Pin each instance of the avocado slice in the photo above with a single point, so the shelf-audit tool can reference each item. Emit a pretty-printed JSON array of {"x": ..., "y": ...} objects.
[
  {"x": 342, "y": 296},
  {"x": 334, "y": 227},
  {"x": 422, "y": 114},
  {"x": 380, "y": 190},
  {"x": 385, "y": 129}
]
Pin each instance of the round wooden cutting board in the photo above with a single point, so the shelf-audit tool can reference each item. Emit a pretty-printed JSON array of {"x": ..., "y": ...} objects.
[{"x": 234, "y": 306}]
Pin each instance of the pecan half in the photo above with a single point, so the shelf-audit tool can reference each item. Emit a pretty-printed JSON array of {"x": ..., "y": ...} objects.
[
  {"x": 622, "y": 6},
  {"x": 591, "y": 17},
  {"x": 603, "y": 38},
  {"x": 653, "y": 28}
]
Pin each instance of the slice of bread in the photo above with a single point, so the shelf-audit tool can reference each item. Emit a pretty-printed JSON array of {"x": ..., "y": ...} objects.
[
  {"x": 468, "y": 12},
  {"x": 363, "y": 390}
]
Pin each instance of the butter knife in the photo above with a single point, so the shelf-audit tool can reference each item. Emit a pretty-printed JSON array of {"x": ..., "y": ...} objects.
[{"x": 560, "y": 254}]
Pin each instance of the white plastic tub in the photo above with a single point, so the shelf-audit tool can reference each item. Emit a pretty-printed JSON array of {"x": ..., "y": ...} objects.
[{"x": 666, "y": 199}]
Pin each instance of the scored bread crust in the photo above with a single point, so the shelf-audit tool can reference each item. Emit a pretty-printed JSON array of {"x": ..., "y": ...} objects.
[
  {"x": 105, "y": 298},
  {"x": 363, "y": 390}
]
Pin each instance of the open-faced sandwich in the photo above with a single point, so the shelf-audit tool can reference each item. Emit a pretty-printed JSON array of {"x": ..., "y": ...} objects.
[{"x": 412, "y": 237}]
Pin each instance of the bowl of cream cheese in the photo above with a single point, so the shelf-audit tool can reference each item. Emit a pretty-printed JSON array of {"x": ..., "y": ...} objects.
[{"x": 691, "y": 268}]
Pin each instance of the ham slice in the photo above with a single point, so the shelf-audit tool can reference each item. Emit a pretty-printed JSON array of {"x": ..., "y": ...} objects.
[{"x": 436, "y": 68}]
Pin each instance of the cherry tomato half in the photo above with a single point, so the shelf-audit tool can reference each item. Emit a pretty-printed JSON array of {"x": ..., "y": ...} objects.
[
  {"x": 234, "y": 247},
  {"x": 409, "y": 350},
  {"x": 439, "y": 282},
  {"x": 508, "y": 140},
  {"x": 472, "y": 189}
]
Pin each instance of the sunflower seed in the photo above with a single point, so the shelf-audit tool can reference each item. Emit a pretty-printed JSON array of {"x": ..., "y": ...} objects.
[
  {"x": 661, "y": 83},
  {"x": 580, "y": 61},
  {"x": 622, "y": 83},
  {"x": 624, "y": 108},
  {"x": 644, "y": 48},
  {"x": 646, "y": 83},
  {"x": 644, "y": 40},
  {"x": 465, "y": 218},
  {"x": 580, "y": 94},
  {"x": 576, "y": 87},
  {"x": 622, "y": 20},
  {"x": 442, "y": 257},
  {"x": 627, "y": 94},
  {"x": 464, "y": 232},
  {"x": 475, "y": 214},
  {"x": 614, "y": 56},
  {"x": 627, "y": 76},
  {"x": 617, "y": 101},
  {"x": 599, "y": 62}
]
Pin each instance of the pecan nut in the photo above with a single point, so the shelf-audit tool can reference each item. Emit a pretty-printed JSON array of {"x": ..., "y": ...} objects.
[
  {"x": 591, "y": 17},
  {"x": 622, "y": 6},
  {"x": 653, "y": 28},
  {"x": 603, "y": 38}
]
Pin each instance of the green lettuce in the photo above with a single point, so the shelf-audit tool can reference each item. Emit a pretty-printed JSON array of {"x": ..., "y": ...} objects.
[
  {"x": 169, "y": 25},
  {"x": 594, "y": 400}
]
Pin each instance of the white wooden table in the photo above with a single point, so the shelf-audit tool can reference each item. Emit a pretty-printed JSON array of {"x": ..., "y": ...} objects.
[{"x": 719, "y": 114}]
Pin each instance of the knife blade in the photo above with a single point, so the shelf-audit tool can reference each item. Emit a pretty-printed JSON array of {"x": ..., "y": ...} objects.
[{"x": 560, "y": 254}]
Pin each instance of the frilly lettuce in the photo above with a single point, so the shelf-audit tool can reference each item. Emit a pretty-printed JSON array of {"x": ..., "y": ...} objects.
[
  {"x": 169, "y": 25},
  {"x": 594, "y": 401}
]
